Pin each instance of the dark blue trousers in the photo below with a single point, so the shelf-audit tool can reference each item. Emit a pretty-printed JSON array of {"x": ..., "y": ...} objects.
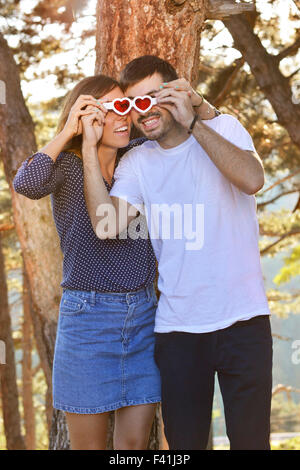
[{"x": 241, "y": 355}]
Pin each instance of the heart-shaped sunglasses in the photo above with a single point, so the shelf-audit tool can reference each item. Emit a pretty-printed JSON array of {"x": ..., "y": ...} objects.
[{"x": 122, "y": 106}]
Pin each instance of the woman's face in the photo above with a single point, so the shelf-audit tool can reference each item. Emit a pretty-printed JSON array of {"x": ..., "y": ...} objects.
[{"x": 116, "y": 129}]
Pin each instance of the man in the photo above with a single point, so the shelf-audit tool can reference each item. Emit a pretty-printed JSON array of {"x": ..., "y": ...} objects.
[{"x": 212, "y": 315}]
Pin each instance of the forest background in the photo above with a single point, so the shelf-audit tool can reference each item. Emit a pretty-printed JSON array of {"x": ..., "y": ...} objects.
[{"x": 249, "y": 67}]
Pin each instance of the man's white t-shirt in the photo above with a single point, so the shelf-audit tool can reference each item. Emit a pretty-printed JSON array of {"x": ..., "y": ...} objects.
[{"x": 203, "y": 229}]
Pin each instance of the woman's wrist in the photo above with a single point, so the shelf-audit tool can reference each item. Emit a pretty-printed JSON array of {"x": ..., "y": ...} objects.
[
  {"x": 64, "y": 136},
  {"x": 57, "y": 144}
]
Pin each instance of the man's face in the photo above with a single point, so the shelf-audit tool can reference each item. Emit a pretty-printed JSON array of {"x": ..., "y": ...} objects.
[{"x": 157, "y": 122}]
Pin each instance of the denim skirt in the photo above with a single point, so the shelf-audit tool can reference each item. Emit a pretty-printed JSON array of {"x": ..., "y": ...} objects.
[{"x": 104, "y": 351}]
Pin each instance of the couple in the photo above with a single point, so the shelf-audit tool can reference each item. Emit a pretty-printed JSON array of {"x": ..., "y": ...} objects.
[{"x": 117, "y": 348}]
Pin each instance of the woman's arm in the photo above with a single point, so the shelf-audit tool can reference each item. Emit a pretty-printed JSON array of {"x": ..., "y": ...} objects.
[
  {"x": 38, "y": 178},
  {"x": 109, "y": 216},
  {"x": 39, "y": 175}
]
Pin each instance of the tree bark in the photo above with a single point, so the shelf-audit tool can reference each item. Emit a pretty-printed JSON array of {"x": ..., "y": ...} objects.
[
  {"x": 29, "y": 416},
  {"x": 165, "y": 28},
  {"x": 265, "y": 68},
  {"x": 8, "y": 378},
  {"x": 33, "y": 219},
  {"x": 59, "y": 436},
  {"x": 219, "y": 9}
]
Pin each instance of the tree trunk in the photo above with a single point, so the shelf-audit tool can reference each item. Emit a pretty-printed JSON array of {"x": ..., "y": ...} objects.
[
  {"x": 29, "y": 417},
  {"x": 33, "y": 219},
  {"x": 59, "y": 436},
  {"x": 8, "y": 379},
  {"x": 133, "y": 28}
]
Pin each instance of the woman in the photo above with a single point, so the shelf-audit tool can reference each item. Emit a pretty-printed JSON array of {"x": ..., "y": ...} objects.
[{"x": 104, "y": 347}]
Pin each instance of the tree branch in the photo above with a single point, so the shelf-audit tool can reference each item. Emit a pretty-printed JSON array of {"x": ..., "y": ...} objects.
[
  {"x": 288, "y": 51},
  {"x": 289, "y": 234},
  {"x": 227, "y": 85},
  {"x": 6, "y": 227},
  {"x": 283, "y": 338},
  {"x": 269, "y": 78},
  {"x": 284, "y": 193},
  {"x": 293, "y": 74},
  {"x": 280, "y": 181},
  {"x": 284, "y": 388},
  {"x": 218, "y": 9}
]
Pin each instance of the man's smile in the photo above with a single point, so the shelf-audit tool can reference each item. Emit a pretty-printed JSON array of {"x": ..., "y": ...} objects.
[{"x": 150, "y": 122}]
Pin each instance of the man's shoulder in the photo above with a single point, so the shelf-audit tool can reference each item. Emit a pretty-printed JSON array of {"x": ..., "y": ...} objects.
[
  {"x": 224, "y": 123},
  {"x": 223, "y": 119},
  {"x": 136, "y": 150}
]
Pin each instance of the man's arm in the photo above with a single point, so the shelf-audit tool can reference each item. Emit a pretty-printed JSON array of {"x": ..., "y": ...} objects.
[
  {"x": 109, "y": 215},
  {"x": 241, "y": 167}
]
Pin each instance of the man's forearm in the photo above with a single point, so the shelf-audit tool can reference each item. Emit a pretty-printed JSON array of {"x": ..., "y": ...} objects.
[
  {"x": 243, "y": 168},
  {"x": 205, "y": 111}
]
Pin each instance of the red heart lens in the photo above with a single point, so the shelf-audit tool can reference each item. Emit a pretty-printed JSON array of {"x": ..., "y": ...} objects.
[
  {"x": 143, "y": 104},
  {"x": 122, "y": 105}
]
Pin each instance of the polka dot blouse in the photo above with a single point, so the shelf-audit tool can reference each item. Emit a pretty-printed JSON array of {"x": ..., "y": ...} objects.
[{"x": 112, "y": 265}]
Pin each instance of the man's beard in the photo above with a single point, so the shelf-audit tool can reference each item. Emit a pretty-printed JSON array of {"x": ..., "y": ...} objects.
[{"x": 159, "y": 134}]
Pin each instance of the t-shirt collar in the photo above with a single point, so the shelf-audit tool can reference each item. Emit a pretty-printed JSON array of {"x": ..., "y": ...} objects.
[{"x": 178, "y": 148}]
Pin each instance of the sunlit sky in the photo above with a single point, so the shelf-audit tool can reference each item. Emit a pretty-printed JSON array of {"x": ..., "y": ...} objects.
[{"x": 47, "y": 88}]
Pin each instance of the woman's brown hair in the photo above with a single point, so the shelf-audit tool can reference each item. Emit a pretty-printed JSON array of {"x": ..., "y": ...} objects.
[{"x": 96, "y": 86}]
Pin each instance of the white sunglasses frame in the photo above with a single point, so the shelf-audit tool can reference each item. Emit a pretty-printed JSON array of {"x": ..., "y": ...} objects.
[{"x": 111, "y": 104}]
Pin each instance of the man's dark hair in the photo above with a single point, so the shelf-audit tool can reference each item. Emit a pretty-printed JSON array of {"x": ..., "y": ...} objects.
[{"x": 146, "y": 66}]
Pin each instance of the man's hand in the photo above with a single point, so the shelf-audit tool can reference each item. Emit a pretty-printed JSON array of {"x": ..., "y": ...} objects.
[
  {"x": 178, "y": 103},
  {"x": 181, "y": 84},
  {"x": 203, "y": 108}
]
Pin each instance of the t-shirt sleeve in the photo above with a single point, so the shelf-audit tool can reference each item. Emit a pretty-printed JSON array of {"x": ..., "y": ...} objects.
[
  {"x": 232, "y": 130},
  {"x": 126, "y": 185}
]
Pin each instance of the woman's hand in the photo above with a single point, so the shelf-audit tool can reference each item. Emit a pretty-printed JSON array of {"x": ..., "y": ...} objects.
[
  {"x": 73, "y": 125},
  {"x": 92, "y": 125}
]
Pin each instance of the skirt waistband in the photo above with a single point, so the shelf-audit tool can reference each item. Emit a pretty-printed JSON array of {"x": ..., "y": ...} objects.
[{"x": 92, "y": 295}]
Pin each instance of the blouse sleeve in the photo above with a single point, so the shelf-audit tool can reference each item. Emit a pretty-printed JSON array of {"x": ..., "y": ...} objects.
[{"x": 39, "y": 178}]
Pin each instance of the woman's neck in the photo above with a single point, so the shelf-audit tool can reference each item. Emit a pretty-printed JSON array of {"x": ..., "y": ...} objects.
[{"x": 107, "y": 159}]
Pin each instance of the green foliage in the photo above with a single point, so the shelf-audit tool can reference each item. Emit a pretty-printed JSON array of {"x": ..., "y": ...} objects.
[
  {"x": 31, "y": 46},
  {"x": 290, "y": 444},
  {"x": 285, "y": 415},
  {"x": 291, "y": 268},
  {"x": 283, "y": 303},
  {"x": 45, "y": 116}
]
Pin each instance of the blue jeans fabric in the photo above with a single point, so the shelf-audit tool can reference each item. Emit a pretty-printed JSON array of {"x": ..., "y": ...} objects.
[{"x": 104, "y": 352}]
